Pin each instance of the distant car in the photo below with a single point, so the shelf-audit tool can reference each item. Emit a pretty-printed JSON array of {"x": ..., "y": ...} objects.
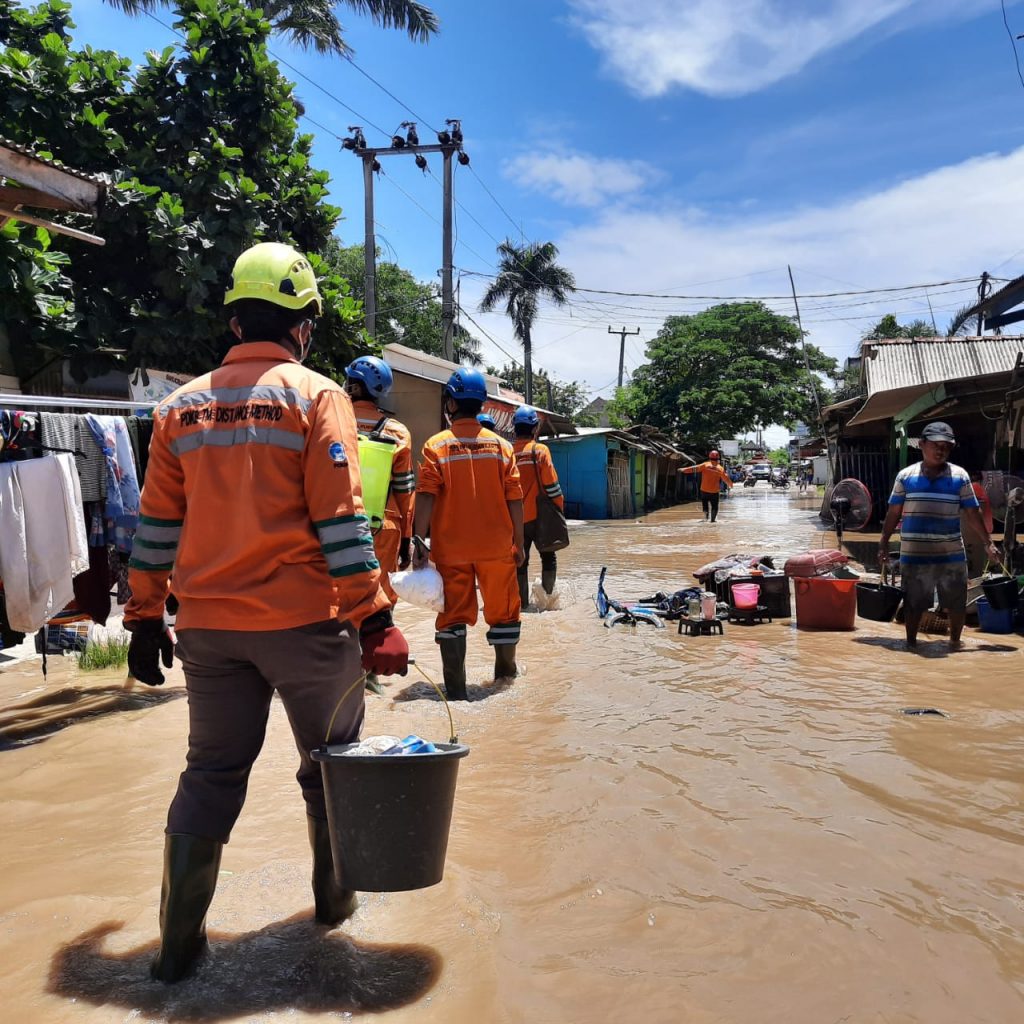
[
  {"x": 761, "y": 471},
  {"x": 778, "y": 472}
]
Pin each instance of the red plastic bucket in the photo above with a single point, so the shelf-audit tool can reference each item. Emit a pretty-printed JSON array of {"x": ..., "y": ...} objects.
[
  {"x": 825, "y": 603},
  {"x": 744, "y": 595}
]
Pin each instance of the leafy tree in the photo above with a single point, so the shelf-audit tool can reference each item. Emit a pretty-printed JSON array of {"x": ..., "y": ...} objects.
[
  {"x": 721, "y": 373},
  {"x": 847, "y": 383},
  {"x": 408, "y": 311},
  {"x": 779, "y": 456},
  {"x": 567, "y": 397},
  {"x": 203, "y": 157},
  {"x": 313, "y": 23},
  {"x": 526, "y": 274}
]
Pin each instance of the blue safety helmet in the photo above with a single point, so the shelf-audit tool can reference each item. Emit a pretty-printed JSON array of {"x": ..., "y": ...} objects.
[
  {"x": 374, "y": 373},
  {"x": 466, "y": 382},
  {"x": 485, "y": 420},
  {"x": 525, "y": 416}
]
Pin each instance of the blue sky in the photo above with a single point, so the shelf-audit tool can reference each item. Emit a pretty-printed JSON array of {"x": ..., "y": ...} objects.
[{"x": 687, "y": 146}]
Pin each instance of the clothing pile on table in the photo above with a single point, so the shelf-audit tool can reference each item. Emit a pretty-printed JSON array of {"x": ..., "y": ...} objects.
[
  {"x": 69, "y": 504},
  {"x": 713, "y": 573}
]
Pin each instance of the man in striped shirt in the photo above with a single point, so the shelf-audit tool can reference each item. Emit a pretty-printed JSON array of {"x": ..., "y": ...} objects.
[{"x": 929, "y": 496}]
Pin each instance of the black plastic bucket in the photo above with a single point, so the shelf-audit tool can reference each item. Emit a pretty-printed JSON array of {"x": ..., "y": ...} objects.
[
  {"x": 1001, "y": 592},
  {"x": 389, "y": 815},
  {"x": 878, "y": 601}
]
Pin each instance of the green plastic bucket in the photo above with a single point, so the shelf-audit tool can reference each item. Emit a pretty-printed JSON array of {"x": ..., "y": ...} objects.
[
  {"x": 376, "y": 457},
  {"x": 389, "y": 815}
]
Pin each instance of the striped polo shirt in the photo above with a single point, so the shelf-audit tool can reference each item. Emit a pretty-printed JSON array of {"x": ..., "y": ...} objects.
[{"x": 930, "y": 531}]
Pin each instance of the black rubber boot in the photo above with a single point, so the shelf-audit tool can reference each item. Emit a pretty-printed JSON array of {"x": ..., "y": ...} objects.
[
  {"x": 453, "y": 664},
  {"x": 547, "y": 580},
  {"x": 191, "y": 865},
  {"x": 523, "y": 576},
  {"x": 331, "y": 903},
  {"x": 505, "y": 661}
]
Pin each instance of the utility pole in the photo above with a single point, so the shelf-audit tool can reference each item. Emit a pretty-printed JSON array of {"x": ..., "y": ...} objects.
[
  {"x": 449, "y": 144},
  {"x": 984, "y": 288},
  {"x": 447, "y": 306},
  {"x": 369, "y": 249},
  {"x": 622, "y": 333}
]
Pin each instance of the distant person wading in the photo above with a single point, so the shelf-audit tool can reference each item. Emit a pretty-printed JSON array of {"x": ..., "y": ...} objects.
[{"x": 712, "y": 477}]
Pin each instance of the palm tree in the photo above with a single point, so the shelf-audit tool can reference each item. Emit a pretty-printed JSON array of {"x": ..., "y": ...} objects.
[
  {"x": 526, "y": 274},
  {"x": 314, "y": 25}
]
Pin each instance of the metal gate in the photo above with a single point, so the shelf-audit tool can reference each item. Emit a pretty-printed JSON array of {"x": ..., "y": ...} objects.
[{"x": 620, "y": 486}]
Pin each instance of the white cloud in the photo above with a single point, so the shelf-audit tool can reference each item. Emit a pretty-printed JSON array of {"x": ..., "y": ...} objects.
[
  {"x": 578, "y": 179},
  {"x": 950, "y": 223},
  {"x": 734, "y": 47}
]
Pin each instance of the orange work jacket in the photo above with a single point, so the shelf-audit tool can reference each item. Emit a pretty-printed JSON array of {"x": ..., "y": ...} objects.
[
  {"x": 399, "y": 511},
  {"x": 711, "y": 474},
  {"x": 472, "y": 473},
  {"x": 534, "y": 460},
  {"x": 252, "y": 499}
]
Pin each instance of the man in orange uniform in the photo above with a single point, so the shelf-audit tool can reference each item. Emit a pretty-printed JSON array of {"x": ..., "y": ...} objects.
[
  {"x": 712, "y": 476},
  {"x": 470, "y": 501},
  {"x": 536, "y": 470},
  {"x": 253, "y": 499},
  {"x": 368, "y": 382}
]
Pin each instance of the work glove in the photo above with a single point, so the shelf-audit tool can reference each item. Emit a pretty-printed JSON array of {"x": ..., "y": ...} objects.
[
  {"x": 405, "y": 553},
  {"x": 385, "y": 650},
  {"x": 151, "y": 643}
]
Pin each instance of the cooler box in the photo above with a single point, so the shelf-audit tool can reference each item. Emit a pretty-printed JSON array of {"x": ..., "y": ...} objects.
[
  {"x": 775, "y": 593},
  {"x": 825, "y": 603}
]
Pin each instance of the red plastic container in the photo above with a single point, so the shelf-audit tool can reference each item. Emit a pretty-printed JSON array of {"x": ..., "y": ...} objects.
[
  {"x": 814, "y": 563},
  {"x": 824, "y": 603}
]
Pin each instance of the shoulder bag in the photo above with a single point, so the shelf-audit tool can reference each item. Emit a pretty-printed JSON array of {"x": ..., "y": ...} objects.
[{"x": 551, "y": 532}]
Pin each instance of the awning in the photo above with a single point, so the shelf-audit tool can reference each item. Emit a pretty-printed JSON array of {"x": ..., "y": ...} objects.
[{"x": 884, "y": 405}]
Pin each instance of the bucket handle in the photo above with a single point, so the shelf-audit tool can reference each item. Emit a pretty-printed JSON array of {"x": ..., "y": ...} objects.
[
  {"x": 1006, "y": 572},
  {"x": 362, "y": 679}
]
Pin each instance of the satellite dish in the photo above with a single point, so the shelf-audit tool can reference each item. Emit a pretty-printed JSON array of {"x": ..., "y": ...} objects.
[
  {"x": 998, "y": 487},
  {"x": 850, "y": 505}
]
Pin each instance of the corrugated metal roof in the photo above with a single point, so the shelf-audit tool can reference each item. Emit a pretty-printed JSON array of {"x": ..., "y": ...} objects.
[
  {"x": 95, "y": 179},
  {"x": 904, "y": 363}
]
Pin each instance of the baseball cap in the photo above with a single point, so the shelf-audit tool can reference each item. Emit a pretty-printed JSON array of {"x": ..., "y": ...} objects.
[{"x": 938, "y": 432}]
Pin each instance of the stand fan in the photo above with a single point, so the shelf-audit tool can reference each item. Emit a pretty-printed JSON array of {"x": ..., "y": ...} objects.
[
  {"x": 850, "y": 505},
  {"x": 997, "y": 487}
]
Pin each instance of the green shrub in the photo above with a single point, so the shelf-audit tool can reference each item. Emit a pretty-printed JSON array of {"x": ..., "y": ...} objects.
[{"x": 109, "y": 653}]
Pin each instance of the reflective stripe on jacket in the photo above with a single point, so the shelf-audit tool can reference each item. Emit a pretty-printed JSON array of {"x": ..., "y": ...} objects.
[
  {"x": 252, "y": 498},
  {"x": 473, "y": 476},
  {"x": 530, "y": 454}
]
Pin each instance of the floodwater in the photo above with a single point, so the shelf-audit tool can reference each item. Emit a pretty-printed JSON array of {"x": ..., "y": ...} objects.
[{"x": 649, "y": 828}]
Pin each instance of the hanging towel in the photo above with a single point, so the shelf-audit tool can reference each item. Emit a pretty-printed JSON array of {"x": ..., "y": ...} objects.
[
  {"x": 122, "y": 495},
  {"x": 62, "y": 430},
  {"x": 43, "y": 541}
]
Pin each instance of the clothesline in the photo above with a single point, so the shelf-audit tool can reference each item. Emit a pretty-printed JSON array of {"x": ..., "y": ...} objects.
[{"x": 57, "y": 402}]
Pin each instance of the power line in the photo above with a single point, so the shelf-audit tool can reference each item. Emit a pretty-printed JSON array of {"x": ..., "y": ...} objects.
[
  {"x": 472, "y": 171},
  {"x": 490, "y": 338},
  {"x": 758, "y": 298},
  {"x": 384, "y": 88},
  {"x": 1013, "y": 43}
]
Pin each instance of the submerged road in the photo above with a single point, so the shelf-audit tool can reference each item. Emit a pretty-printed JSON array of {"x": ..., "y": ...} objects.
[{"x": 649, "y": 828}]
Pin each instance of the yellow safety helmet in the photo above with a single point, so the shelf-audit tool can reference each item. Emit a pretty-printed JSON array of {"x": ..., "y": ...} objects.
[{"x": 277, "y": 273}]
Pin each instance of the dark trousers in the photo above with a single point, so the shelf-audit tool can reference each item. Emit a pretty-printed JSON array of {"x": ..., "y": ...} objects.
[
  {"x": 548, "y": 561},
  {"x": 230, "y": 676},
  {"x": 709, "y": 503}
]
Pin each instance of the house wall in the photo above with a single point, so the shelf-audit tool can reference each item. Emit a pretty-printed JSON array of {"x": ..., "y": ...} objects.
[
  {"x": 582, "y": 468},
  {"x": 417, "y": 403}
]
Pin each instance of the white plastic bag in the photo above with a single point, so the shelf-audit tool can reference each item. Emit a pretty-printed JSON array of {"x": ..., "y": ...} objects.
[{"x": 421, "y": 587}]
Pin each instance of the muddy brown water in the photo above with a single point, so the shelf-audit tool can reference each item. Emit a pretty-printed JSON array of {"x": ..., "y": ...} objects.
[{"x": 649, "y": 828}]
